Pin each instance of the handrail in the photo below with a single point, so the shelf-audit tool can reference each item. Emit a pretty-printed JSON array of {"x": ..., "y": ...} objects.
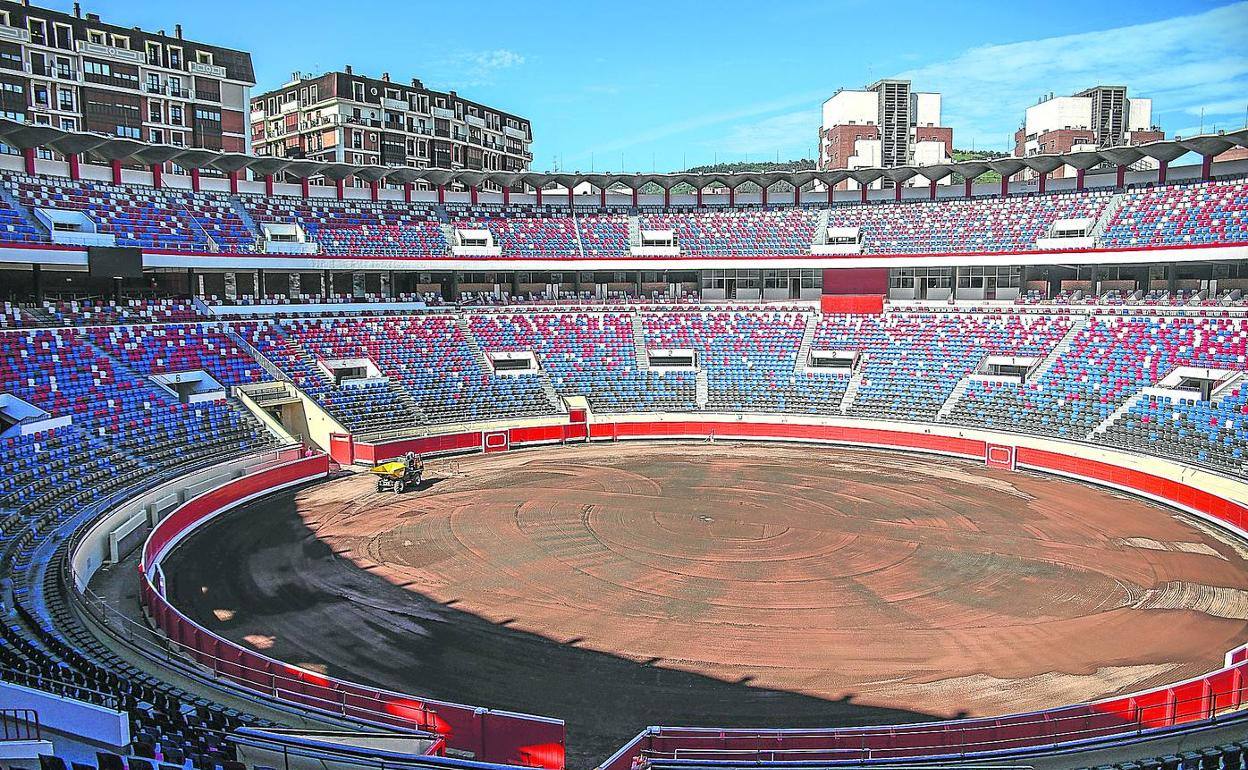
[{"x": 19, "y": 725}]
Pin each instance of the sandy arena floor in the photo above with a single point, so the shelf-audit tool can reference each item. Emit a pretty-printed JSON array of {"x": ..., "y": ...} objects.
[{"x": 752, "y": 585}]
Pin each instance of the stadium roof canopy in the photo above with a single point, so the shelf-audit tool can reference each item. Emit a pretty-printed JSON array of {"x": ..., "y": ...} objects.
[{"x": 26, "y": 136}]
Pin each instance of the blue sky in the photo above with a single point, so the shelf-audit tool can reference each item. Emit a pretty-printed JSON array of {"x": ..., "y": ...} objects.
[{"x": 663, "y": 85}]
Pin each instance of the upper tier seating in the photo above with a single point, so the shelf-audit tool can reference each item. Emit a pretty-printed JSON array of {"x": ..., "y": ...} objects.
[
  {"x": 102, "y": 313},
  {"x": 1180, "y": 215},
  {"x": 357, "y": 228},
  {"x": 739, "y": 233},
  {"x": 965, "y": 226},
  {"x": 547, "y": 231},
  {"x": 142, "y": 216}
]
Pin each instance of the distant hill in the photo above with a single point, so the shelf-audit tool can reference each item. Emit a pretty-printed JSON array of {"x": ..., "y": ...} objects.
[
  {"x": 803, "y": 164},
  {"x": 987, "y": 176}
]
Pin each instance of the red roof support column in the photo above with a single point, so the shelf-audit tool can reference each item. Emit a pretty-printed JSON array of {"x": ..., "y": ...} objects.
[
  {"x": 667, "y": 197},
  {"x": 1044, "y": 178},
  {"x": 797, "y": 195},
  {"x": 636, "y": 196},
  {"x": 831, "y": 193},
  {"x": 473, "y": 193},
  {"x": 862, "y": 193},
  {"x": 896, "y": 191},
  {"x": 1005, "y": 185},
  {"x": 1206, "y": 167},
  {"x": 538, "y": 190},
  {"x": 966, "y": 187},
  {"x": 1163, "y": 168},
  {"x": 732, "y": 197},
  {"x": 407, "y": 192},
  {"x": 156, "y": 175},
  {"x": 1121, "y": 181},
  {"x": 763, "y": 197},
  {"x": 116, "y": 167},
  {"x": 374, "y": 189},
  {"x": 506, "y": 195},
  {"x": 931, "y": 189},
  {"x": 602, "y": 197},
  {"x": 28, "y": 155},
  {"x": 74, "y": 172},
  {"x": 569, "y": 196},
  {"x": 195, "y": 180},
  {"x": 441, "y": 193},
  {"x": 339, "y": 187},
  {"x": 268, "y": 184},
  {"x": 1079, "y": 174},
  {"x": 233, "y": 175},
  {"x": 304, "y": 186},
  {"x": 699, "y": 197}
]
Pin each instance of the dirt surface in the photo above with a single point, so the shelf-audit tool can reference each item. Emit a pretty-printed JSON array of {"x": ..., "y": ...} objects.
[{"x": 744, "y": 585}]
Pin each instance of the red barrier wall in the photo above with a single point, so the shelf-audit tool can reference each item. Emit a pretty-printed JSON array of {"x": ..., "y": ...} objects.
[
  {"x": 492, "y": 736},
  {"x": 853, "y": 304}
]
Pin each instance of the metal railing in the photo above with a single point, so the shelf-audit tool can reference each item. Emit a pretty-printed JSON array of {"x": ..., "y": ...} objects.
[{"x": 19, "y": 725}]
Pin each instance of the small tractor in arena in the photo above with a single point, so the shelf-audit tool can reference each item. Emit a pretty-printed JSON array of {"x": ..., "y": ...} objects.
[{"x": 400, "y": 475}]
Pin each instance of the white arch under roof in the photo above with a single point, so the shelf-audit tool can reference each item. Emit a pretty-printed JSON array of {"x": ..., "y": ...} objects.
[{"x": 26, "y": 136}]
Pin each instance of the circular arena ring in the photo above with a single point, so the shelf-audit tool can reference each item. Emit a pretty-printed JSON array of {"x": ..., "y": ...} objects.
[{"x": 976, "y": 575}]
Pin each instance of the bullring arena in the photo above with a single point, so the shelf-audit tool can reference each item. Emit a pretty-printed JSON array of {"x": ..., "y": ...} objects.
[{"x": 742, "y": 585}]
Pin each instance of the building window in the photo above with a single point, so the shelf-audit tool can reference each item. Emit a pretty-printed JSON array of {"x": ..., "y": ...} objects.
[
  {"x": 4, "y": 19},
  {"x": 357, "y": 92},
  {"x": 38, "y": 31},
  {"x": 153, "y": 83},
  {"x": 121, "y": 41},
  {"x": 175, "y": 58},
  {"x": 156, "y": 136},
  {"x": 129, "y": 132},
  {"x": 175, "y": 86},
  {"x": 203, "y": 57},
  {"x": 175, "y": 115},
  {"x": 65, "y": 99},
  {"x": 95, "y": 36},
  {"x": 68, "y": 124},
  {"x": 153, "y": 54},
  {"x": 154, "y": 112},
  {"x": 64, "y": 35}
]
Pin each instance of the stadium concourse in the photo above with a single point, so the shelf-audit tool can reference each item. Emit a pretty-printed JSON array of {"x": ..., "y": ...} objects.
[{"x": 136, "y": 409}]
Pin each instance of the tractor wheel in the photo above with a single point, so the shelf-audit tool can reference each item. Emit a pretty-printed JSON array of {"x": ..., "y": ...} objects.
[
  {"x": 381, "y": 485},
  {"x": 398, "y": 487}
]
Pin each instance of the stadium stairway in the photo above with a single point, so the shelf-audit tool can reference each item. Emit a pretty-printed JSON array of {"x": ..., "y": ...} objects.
[
  {"x": 701, "y": 389},
  {"x": 855, "y": 382},
  {"x": 237, "y": 205},
  {"x": 801, "y": 362},
  {"x": 639, "y": 344},
  {"x": 1107, "y": 215},
  {"x": 954, "y": 396},
  {"x": 1060, "y": 349},
  {"x": 27, "y": 215}
]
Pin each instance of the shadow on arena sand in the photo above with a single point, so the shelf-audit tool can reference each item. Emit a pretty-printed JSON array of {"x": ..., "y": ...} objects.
[{"x": 303, "y": 605}]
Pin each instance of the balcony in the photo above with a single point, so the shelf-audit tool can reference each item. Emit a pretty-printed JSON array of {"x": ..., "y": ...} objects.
[
  {"x": 15, "y": 33},
  {"x": 515, "y": 133},
  {"x": 207, "y": 96},
  {"x": 473, "y": 120},
  {"x": 111, "y": 52},
  {"x": 212, "y": 70},
  {"x": 393, "y": 104},
  {"x": 442, "y": 112}
]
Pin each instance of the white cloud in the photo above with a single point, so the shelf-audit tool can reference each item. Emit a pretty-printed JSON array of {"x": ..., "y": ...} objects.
[
  {"x": 791, "y": 134},
  {"x": 1182, "y": 63},
  {"x": 475, "y": 68}
]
